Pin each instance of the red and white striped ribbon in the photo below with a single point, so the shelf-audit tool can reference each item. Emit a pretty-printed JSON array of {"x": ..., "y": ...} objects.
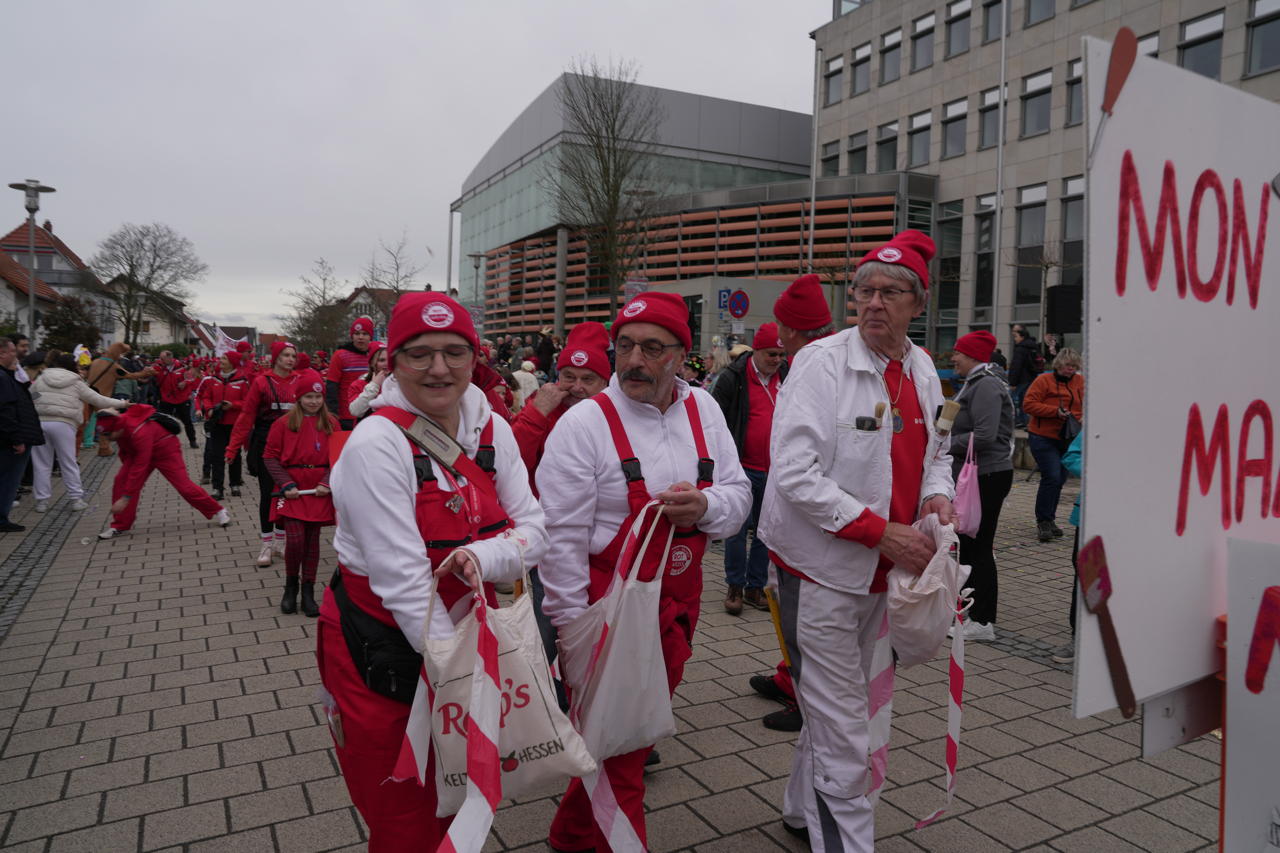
[
  {"x": 955, "y": 696},
  {"x": 880, "y": 710}
]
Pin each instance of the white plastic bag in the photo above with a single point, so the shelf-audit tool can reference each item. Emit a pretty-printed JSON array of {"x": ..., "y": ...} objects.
[
  {"x": 611, "y": 655},
  {"x": 922, "y": 608},
  {"x": 538, "y": 748},
  {"x": 968, "y": 502}
]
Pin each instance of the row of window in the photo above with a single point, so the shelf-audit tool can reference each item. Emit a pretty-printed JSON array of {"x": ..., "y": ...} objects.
[{"x": 1199, "y": 45}]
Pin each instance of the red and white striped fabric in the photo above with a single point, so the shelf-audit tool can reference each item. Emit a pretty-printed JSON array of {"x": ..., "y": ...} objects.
[
  {"x": 614, "y": 824},
  {"x": 880, "y": 710},
  {"x": 955, "y": 696}
]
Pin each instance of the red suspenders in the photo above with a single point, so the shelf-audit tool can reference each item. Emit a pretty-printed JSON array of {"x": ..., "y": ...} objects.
[{"x": 637, "y": 493}]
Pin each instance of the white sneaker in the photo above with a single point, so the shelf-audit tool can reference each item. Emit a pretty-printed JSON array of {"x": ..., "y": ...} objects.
[
  {"x": 41, "y": 506},
  {"x": 979, "y": 631},
  {"x": 265, "y": 555},
  {"x": 223, "y": 517},
  {"x": 111, "y": 533},
  {"x": 78, "y": 505}
]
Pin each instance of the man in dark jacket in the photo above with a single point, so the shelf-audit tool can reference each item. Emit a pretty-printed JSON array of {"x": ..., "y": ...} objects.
[
  {"x": 1022, "y": 369},
  {"x": 747, "y": 390},
  {"x": 19, "y": 431}
]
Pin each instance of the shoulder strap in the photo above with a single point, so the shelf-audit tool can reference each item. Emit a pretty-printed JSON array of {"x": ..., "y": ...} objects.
[
  {"x": 486, "y": 455},
  {"x": 706, "y": 465},
  {"x": 433, "y": 441},
  {"x": 103, "y": 371},
  {"x": 637, "y": 492}
]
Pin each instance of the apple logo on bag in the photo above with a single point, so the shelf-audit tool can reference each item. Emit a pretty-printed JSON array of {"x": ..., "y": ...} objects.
[{"x": 681, "y": 559}]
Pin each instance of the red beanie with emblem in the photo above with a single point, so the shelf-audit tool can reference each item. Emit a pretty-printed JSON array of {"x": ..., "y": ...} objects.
[
  {"x": 243, "y": 346},
  {"x": 420, "y": 312},
  {"x": 362, "y": 324},
  {"x": 767, "y": 337},
  {"x": 803, "y": 306},
  {"x": 308, "y": 381},
  {"x": 977, "y": 345},
  {"x": 662, "y": 309},
  {"x": 587, "y": 347},
  {"x": 910, "y": 249},
  {"x": 278, "y": 347}
]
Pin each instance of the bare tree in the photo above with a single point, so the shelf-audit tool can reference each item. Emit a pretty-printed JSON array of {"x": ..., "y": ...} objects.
[
  {"x": 143, "y": 265},
  {"x": 603, "y": 177},
  {"x": 317, "y": 317},
  {"x": 391, "y": 268}
]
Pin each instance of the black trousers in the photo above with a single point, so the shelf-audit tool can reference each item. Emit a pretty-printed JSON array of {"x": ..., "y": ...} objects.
[
  {"x": 978, "y": 551},
  {"x": 216, "y": 449},
  {"x": 181, "y": 411}
]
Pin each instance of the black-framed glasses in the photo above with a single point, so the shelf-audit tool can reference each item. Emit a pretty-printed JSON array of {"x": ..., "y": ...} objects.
[
  {"x": 865, "y": 293},
  {"x": 421, "y": 358},
  {"x": 652, "y": 350}
]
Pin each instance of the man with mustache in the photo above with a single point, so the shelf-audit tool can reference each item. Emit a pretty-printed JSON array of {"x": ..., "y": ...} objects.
[{"x": 647, "y": 435}]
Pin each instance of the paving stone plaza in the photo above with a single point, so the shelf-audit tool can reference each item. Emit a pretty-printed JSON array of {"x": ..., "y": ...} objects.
[{"x": 153, "y": 697}]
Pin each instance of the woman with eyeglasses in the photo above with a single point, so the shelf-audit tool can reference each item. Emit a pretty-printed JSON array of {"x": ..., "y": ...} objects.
[{"x": 415, "y": 535}]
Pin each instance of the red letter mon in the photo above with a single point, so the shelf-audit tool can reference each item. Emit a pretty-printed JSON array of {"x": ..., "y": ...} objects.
[
  {"x": 1152, "y": 249},
  {"x": 1195, "y": 450}
]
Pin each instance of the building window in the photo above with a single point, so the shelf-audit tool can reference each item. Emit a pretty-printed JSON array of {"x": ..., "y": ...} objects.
[
  {"x": 1263, "y": 42},
  {"x": 891, "y": 57},
  {"x": 1149, "y": 45},
  {"x": 1037, "y": 95},
  {"x": 1039, "y": 10},
  {"x": 955, "y": 123},
  {"x": 861, "y": 70},
  {"x": 858, "y": 154},
  {"x": 919, "y": 138},
  {"x": 958, "y": 25},
  {"x": 830, "y": 159},
  {"x": 992, "y": 18},
  {"x": 989, "y": 119},
  {"x": 946, "y": 291},
  {"x": 1073, "y": 232},
  {"x": 833, "y": 81},
  {"x": 1032, "y": 262},
  {"x": 922, "y": 43},
  {"x": 1200, "y": 48},
  {"x": 984, "y": 267},
  {"x": 887, "y": 147},
  {"x": 1075, "y": 92}
]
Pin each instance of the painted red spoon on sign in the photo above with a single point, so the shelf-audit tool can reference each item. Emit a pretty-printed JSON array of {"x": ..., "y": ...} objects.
[
  {"x": 1095, "y": 583},
  {"x": 1124, "y": 50}
]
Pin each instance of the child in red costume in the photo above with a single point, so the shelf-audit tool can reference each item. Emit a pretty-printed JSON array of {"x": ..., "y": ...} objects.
[
  {"x": 297, "y": 455},
  {"x": 146, "y": 446}
]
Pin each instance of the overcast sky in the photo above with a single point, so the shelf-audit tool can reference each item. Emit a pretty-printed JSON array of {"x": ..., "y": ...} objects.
[{"x": 272, "y": 133}]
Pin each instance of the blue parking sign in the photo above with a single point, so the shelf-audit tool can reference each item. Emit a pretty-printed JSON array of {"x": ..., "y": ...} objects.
[{"x": 722, "y": 299}]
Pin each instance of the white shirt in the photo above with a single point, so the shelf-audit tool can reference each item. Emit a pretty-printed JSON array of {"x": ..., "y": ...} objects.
[
  {"x": 374, "y": 488},
  {"x": 824, "y": 471},
  {"x": 584, "y": 492}
]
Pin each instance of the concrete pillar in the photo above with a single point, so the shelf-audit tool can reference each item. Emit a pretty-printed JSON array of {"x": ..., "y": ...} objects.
[{"x": 562, "y": 272}]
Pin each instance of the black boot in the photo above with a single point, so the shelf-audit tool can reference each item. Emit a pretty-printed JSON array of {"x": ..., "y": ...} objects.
[
  {"x": 309, "y": 606},
  {"x": 289, "y": 604}
]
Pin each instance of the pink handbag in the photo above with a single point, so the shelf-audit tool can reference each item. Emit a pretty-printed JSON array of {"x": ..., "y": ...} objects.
[{"x": 968, "y": 503}]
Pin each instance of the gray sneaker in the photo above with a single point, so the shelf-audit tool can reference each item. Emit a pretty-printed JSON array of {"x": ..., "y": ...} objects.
[
  {"x": 1066, "y": 654},
  {"x": 41, "y": 506},
  {"x": 78, "y": 505}
]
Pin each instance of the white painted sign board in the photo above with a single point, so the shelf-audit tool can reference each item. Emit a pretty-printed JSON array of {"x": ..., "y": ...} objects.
[
  {"x": 1183, "y": 304},
  {"x": 1252, "y": 815}
]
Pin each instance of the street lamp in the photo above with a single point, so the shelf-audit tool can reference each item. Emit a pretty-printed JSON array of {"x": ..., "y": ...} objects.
[
  {"x": 476, "y": 259},
  {"x": 32, "y": 188}
]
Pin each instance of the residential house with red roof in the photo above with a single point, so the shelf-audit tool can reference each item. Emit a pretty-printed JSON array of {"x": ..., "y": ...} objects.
[{"x": 61, "y": 270}]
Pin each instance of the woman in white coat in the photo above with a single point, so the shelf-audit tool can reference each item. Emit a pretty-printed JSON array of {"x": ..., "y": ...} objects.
[{"x": 60, "y": 394}]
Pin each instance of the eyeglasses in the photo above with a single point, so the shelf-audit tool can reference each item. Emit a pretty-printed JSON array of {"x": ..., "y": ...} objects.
[
  {"x": 651, "y": 350},
  {"x": 421, "y": 358},
  {"x": 864, "y": 293}
]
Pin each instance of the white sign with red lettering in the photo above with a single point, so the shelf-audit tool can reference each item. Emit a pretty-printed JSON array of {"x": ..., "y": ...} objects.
[{"x": 1183, "y": 303}]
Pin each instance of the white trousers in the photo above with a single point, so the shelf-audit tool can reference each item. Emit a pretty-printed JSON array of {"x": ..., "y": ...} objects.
[
  {"x": 831, "y": 637},
  {"x": 59, "y": 440}
]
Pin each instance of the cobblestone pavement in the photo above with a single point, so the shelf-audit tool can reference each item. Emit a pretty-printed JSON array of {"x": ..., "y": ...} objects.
[{"x": 153, "y": 697}]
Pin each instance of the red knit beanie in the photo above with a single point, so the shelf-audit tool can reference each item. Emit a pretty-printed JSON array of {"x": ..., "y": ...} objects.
[
  {"x": 362, "y": 324},
  {"x": 587, "y": 347},
  {"x": 308, "y": 381},
  {"x": 767, "y": 337},
  {"x": 278, "y": 347},
  {"x": 420, "y": 312},
  {"x": 803, "y": 306},
  {"x": 233, "y": 357},
  {"x": 662, "y": 309},
  {"x": 910, "y": 249},
  {"x": 977, "y": 345},
  {"x": 243, "y": 346}
]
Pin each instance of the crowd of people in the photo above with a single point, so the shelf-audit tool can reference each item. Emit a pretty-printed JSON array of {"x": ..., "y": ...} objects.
[{"x": 450, "y": 463}]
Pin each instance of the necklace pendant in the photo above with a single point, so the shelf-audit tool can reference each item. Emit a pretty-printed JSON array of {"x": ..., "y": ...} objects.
[
  {"x": 897, "y": 420},
  {"x": 454, "y": 504}
]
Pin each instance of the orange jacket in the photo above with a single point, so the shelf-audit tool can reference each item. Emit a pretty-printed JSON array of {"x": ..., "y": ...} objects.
[{"x": 1045, "y": 396}]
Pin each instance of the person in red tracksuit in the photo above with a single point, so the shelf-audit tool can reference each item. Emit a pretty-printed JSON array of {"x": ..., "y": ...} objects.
[
  {"x": 146, "y": 446},
  {"x": 297, "y": 455},
  {"x": 220, "y": 403},
  {"x": 347, "y": 364},
  {"x": 270, "y": 395},
  {"x": 176, "y": 387}
]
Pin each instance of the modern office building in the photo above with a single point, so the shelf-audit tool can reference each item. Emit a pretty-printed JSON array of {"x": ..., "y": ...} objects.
[{"x": 914, "y": 86}]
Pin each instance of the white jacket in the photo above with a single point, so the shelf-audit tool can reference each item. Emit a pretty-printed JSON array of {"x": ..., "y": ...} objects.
[
  {"x": 824, "y": 472},
  {"x": 585, "y": 494},
  {"x": 374, "y": 489},
  {"x": 60, "y": 395}
]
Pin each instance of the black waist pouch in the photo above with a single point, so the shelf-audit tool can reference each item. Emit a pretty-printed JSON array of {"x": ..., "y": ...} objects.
[{"x": 386, "y": 662}]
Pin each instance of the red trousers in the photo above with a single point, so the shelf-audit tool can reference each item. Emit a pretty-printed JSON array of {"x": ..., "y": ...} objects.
[
  {"x": 166, "y": 457},
  {"x": 401, "y": 816}
]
